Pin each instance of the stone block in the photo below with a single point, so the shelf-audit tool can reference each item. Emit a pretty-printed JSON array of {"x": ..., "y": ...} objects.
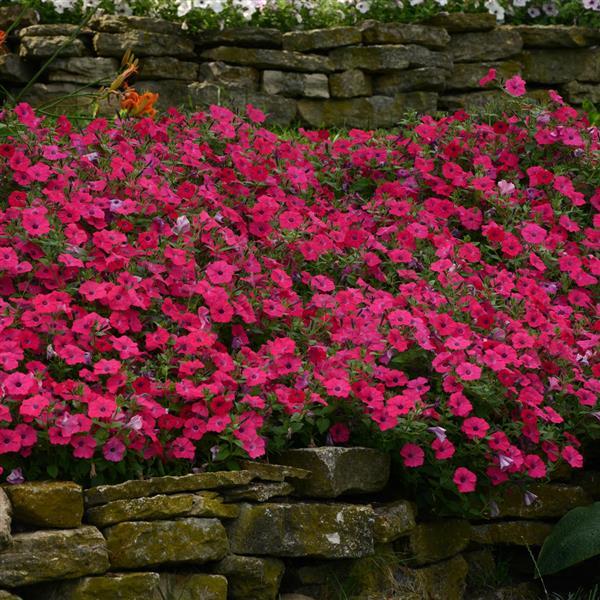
[
  {"x": 367, "y": 113},
  {"x": 143, "y": 43},
  {"x": 466, "y": 76},
  {"x": 393, "y": 520},
  {"x": 486, "y": 100},
  {"x": 167, "y": 67},
  {"x": 14, "y": 69},
  {"x": 272, "y": 472},
  {"x": 36, "y": 47},
  {"x": 4, "y": 595},
  {"x": 557, "y": 36},
  {"x": 375, "y": 32},
  {"x": 423, "y": 79},
  {"x": 251, "y": 577},
  {"x": 65, "y": 97},
  {"x": 50, "y": 29},
  {"x": 166, "y": 485},
  {"x": 561, "y": 66},
  {"x": 350, "y": 84},
  {"x": 336, "y": 470},
  {"x": 207, "y": 506},
  {"x": 229, "y": 76},
  {"x": 9, "y": 14},
  {"x": 321, "y": 39},
  {"x": 248, "y": 37},
  {"x": 437, "y": 540},
  {"x": 84, "y": 69},
  {"x": 5, "y": 520},
  {"x": 296, "y": 85},
  {"x": 123, "y": 24},
  {"x": 50, "y": 504},
  {"x": 303, "y": 530},
  {"x": 264, "y": 58},
  {"x": 279, "y": 110},
  {"x": 456, "y": 22},
  {"x": 258, "y": 492},
  {"x": 512, "y": 533},
  {"x": 442, "y": 581},
  {"x": 192, "y": 586},
  {"x": 492, "y": 45},
  {"x": 142, "y": 544},
  {"x": 57, "y": 554}
]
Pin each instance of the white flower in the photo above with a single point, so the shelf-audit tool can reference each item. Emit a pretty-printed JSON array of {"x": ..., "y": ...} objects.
[
  {"x": 496, "y": 9},
  {"x": 362, "y": 6},
  {"x": 520, "y": 3}
]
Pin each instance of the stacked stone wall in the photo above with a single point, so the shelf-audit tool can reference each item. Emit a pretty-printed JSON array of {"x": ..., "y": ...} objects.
[
  {"x": 326, "y": 523},
  {"x": 367, "y": 76}
]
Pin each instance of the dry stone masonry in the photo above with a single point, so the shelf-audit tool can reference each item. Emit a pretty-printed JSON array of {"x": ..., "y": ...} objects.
[
  {"x": 366, "y": 76},
  {"x": 323, "y": 521}
]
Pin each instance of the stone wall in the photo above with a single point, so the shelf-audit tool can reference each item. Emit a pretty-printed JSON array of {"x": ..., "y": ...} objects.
[
  {"x": 326, "y": 523},
  {"x": 367, "y": 76}
]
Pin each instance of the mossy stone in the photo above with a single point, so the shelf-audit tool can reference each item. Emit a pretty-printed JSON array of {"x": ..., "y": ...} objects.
[
  {"x": 5, "y": 520},
  {"x": 393, "y": 520},
  {"x": 514, "y": 533},
  {"x": 272, "y": 472},
  {"x": 437, "y": 540},
  {"x": 193, "y": 586},
  {"x": 4, "y": 595},
  {"x": 258, "y": 492},
  {"x": 251, "y": 577},
  {"x": 48, "y": 504},
  {"x": 205, "y": 505},
  {"x": 444, "y": 580},
  {"x": 321, "y": 39}
]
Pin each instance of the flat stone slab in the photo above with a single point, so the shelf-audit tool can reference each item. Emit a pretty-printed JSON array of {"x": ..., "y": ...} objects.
[
  {"x": 456, "y": 22},
  {"x": 303, "y": 530},
  {"x": 35, "y": 47},
  {"x": 557, "y": 36},
  {"x": 47, "y": 504},
  {"x": 491, "y": 45},
  {"x": 141, "y": 544},
  {"x": 512, "y": 533},
  {"x": 437, "y": 540},
  {"x": 336, "y": 471},
  {"x": 166, "y": 485},
  {"x": 273, "y": 472},
  {"x": 251, "y": 37},
  {"x": 375, "y": 32},
  {"x": 121, "y": 24},
  {"x": 553, "y": 66},
  {"x": 393, "y": 520},
  {"x": 321, "y": 39},
  {"x": 251, "y": 576},
  {"x": 83, "y": 69},
  {"x": 258, "y": 492},
  {"x": 5, "y": 520},
  {"x": 143, "y": 43},
  {"x": 59, "y": 554}
]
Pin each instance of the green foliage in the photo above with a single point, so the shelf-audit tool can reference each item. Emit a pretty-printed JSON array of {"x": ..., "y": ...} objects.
[{"x": 575, "y": 538}]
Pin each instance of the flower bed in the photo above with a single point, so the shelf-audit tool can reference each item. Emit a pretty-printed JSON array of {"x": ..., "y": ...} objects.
[{"x": 192, "y": 290}]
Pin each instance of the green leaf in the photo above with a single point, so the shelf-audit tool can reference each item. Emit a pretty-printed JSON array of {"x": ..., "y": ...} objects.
[
  {"x": 52, "y": 470},
  {"x": 322, "y": 425},
  {"x": 575, "y": 538}
]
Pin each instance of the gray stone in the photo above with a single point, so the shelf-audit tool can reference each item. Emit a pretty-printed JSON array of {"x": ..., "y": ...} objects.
[
  {"x": 202, "y": 95},
  {"x": 251, "y": 577},
  {"x": 375, "y": 32},
  {"x": 303, "y": 530},
  {"x": 557, "y": 36},
  {"x": 33, "y": 47},
  {"x": 393, "y": 520},
  {"x": 171, "y": 92},
  {"x": 514, "y": 533},
  {"x": 65, "y": 97},
  {"x": 5, "y": 520},
  {"x": 577, "y": 93},
  {"x": 423, "y": 79},
  {"x": 167, "y": 67},
  {"x": 143, "y": 544},
  {"x": 272, "y": 472},
  {"x": 491, "y": 101},
  {"x": 296, "y": 85},
  {"x": 466, "y": 76},
  {"x": 166, "y": 485},
  {"x": 279, "y": 111},
  {"x": 561, "y": 66},
  {"x": 229, "y": 76},
  {"x": 205, "y": 505},
  {"x": 442, "y": 581},
  {"x": 368, "y": 112},
  {"x": 258, "y": 492},
  {"x": 336, "y": 470},
  {"x": 461, "y": 22},
  {"x": 122, "y": 24},
  {"x": 321, "y": 39},
  {"x": 252, "y": 37},
  {"x": 437, "y": 540},
  {"x": 9, "y": 14},
  {"x": 192, "y": 586},
  {"x": 50, "y": 29},
  {"x": 14, "y": 69},
  {"x": 56, "y": 504},
  {"x": 350, "y": 84},
  {"x": 270, "y": 59},
  {"x": 4, "y": 595},
  {"x": 84, "y": 69},
  {"x": 143, "y": 43},
  {"x": 491, "y": 45},
  {"x": 47, "y": 555}
]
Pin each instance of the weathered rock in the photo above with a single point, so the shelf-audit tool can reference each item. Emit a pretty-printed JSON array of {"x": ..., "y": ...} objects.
[
  {"x": 143, "y": 43},
  {"x": 492, "y": 45},
  {"x": 122, "y": 24},
  {"x": 466, "y": 76},
  {"x": 336, "y": 470},
  {"x": 33, "y": 47},
  {"x": 251, "y": 37},
  {"x": 166, "y": 485},
  {"x": 481, "y": 563},
  {"x": 437, "y": 540},
  {"x": 196, "y": 586},
  {"x": 387, "y": 58},
  {"x": 167, "y": 67},
  {"x": 151, "y": 543},
  {"x": 47, "y": 504},
  {"x": 310, "y": 530},
  {"x": 462, "y": 22},
  {"x": 65, "y": 97},
  {"x": 393, "y": 520},
  {"x": 375, "y": 32},
  {"x": 14, "y": 69},
  {"x": 279, "y": 111},
  {"x": 272, "y": 472},
  {"x": 251, "y": 577},
  {"x": 350, "y": 84},
  {"x": 4, "y": 595},
  {"x": 442, "y": 581},
  {"x": 557, "y": 36},
  {"x": 171, "y": 92},
  {"x": 296, "y": 85},
  {"x": 515, "y": 533},
  {"x": 207, "y": 506},
  {"x": 229, "y": 76},
  {"x": 369, "y": 112},
  {"x": 9, "y": 14},
  {"x": 258, "y": 492},
  {"x": 270, "y": 59},
  {"x": 321, "y": 39},
  {"x": 488, "y": 100},
  {"x": 5, "y": 520},
  {"x": 396, "y": 82},
  {"x": 84, "y": 69},
  {"x": 47, "y": 555},
  {"x": 50, "y": 29},
  {"x": 561, "y": 66},
  {"x": 202, "y": 95},
  {"x": 553, "y": 500}
]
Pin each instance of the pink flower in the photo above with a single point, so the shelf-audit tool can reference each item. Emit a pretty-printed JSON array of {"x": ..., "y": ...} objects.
[
  {"x": 515, "y": 86},
  {"x": 468, "y": 371},
  {"x": 412, "y": 455},
  {"x": 113, "y": 449},
  {"x": 488, "y": 78},
  {"x": 475, "y": 428},
  {"x": 465, "y": 480},
  {"x": 532, "y": 233},
  {"x": 339, "y": 433},
  {"x": 572, "y": 456}
]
